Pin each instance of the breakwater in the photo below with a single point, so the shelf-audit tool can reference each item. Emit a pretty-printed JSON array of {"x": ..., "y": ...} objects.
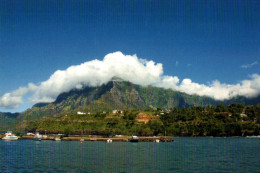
[{"x": 119, "y": 139}]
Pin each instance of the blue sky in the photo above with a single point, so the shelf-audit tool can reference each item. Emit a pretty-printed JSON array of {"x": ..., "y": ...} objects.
[{"x": 199, "y": 40}]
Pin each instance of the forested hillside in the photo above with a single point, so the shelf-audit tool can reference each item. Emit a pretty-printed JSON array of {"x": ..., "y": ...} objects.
[{"x": 233, "y": 120}]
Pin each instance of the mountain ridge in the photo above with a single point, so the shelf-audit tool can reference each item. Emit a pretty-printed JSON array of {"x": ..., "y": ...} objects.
[
  {"x": 121, "y": 94},
  {"x": 118, "y": 94}
]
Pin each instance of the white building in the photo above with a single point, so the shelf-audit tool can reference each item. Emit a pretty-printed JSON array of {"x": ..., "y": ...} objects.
[{"x": 81, "y": 113}]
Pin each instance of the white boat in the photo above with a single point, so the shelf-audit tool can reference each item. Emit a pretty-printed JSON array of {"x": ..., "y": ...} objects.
[
  {"x": 29, "y": 134},
  {"x": 157, "y": 140},
  {"x": 9, "y": 136},
  {"x": 57, "y": 139},
  {"x": 134, "y": 139},
  {"x": 109, "y": 141},
  {"x": 37, "y": 137}
]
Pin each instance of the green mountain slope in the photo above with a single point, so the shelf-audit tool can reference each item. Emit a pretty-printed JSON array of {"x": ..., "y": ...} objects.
[
  {"x": 120, "y": 95},
  {"x": 7, "y": 120}
]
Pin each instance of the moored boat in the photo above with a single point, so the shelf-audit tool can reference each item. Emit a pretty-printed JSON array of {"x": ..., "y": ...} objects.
[
  {"x": 10, "y": 137},
  {"x": 157, "y": 140},
  {"x": 37, "y": 137},
  {"x": 109, "y": 141},
  {"x": 134, "y": 139},
  {"x": 57, "y": 139}
]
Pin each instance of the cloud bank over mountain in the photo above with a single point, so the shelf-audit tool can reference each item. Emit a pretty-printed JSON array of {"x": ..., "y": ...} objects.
[{"x": 127, "y": 67}]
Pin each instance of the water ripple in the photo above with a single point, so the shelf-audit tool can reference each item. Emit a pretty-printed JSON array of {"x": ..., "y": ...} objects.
[{"x": 184, "y": 155}]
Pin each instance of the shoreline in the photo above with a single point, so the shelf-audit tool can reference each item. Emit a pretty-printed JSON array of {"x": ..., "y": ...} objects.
[
  {"x": 120, "y": 138},
  {"x": 100, "y": 138}
]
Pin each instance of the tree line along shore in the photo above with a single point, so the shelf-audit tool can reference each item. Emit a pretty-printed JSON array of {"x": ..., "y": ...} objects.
[{"x": 220, "y": 120}]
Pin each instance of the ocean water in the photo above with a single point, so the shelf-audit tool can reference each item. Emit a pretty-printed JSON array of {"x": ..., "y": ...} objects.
[{"x": 189, "y": 154}]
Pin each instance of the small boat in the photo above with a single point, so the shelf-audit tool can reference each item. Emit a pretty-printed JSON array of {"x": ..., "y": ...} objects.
[
  {"x": 9, "y": 136},
  {"x": 109, "y": 141},
  {"x": 134, "y": 139},
  {"x": 37, "y": 137},
  {"x": 29, "y": 134},
  {"x": 157, "y": 140},
  {"x": 57, "y": 139}
]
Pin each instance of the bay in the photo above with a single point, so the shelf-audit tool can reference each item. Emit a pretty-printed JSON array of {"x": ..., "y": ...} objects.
[{"x": 185, "y": 154}]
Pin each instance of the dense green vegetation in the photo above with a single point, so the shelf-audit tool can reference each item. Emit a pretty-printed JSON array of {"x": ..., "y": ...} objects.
[{"x": 232, "y": 120}]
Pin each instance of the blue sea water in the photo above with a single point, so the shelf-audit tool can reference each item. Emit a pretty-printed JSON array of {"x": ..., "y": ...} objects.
[{"x": 189, "y": 154}]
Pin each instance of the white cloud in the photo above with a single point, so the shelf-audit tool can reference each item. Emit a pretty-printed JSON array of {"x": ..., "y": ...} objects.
[
  {"x": 127, "y": 67},
  {"x": 249, "y": 65},
  {"x": 218, "y": 91},
  {"x": 14, "y": 99},
  {"x": 168, "y": 82},
  {"x": 94, "y": 73}
]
